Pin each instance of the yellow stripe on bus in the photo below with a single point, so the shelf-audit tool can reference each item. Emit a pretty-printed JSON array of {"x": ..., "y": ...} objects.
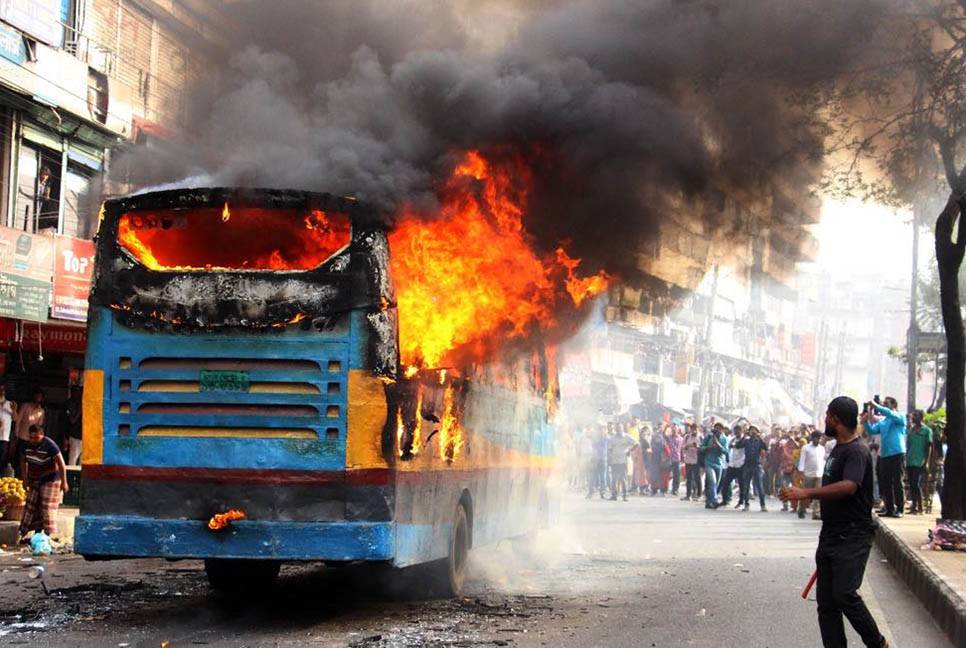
[
  {"x": 226, "y": 433},
  {"x": 367, "y": 412},
  {"x": 194, "y": 387},
  {"x": 92, "y": 413}
]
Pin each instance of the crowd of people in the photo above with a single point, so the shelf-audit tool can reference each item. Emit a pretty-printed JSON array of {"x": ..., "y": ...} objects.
[{"x": 742, "y": 462}]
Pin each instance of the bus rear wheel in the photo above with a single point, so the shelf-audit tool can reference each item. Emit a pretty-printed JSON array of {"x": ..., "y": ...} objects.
[
  {"x": 241, "y": 577},
  {"x": 452, "y": 571}
]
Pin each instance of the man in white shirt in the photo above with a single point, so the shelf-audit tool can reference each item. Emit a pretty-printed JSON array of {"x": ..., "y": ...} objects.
[
  {"x": 6, "y": 427},
  {"x": 811, "y": 464},
  {"x": 736, "y": 461}
]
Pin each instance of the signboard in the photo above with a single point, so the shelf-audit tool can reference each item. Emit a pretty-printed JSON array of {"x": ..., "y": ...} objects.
[
  {"x": 38, "y": 18},
  {"x": 26, "y": 263},
  {"x": 73, "y": 271},
  {"x": 23, "y": 298},
  {"x": 931, "y": 343},
  {"x": 54, "y": 338},
  {"x": 11, "y": 45},
  {"x": 26, "y": 255}
]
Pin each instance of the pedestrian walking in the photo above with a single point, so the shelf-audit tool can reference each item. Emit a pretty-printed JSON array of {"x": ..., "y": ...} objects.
[
  {"x": 29, "y": 414},
  {"x": 789, "y": 449},
  {"x": 774, "y": 467},
  {"x": 919, "y": 449},
  {"x": 6, "y": 430},
  {"x": 754, "y": 448},
  {"x": 811, "y": 464},
  {"x": 656, "y": 462},
  {"x": 46, "y": 479},
  {"x": 732, "y": 474},
  {"x": 639, "y": 462},
  {"x": 619, "y": 448},
  {"x": 715, "y": 447},
  {"x": 692, "y": 470},
  {"x": 847, "y": 529},
  {"x": 890, "y": 425},
  {"x": 674, "y": 446}
]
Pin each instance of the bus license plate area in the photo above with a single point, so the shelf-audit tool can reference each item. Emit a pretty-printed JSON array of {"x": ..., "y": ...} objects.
[{"x": 224, "y": 381}]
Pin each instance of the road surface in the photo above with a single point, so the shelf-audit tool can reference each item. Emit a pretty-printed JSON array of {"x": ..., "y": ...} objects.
[{"x": 648, "y": 572}]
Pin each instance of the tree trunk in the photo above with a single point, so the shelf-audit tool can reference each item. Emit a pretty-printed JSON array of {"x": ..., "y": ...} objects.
[
  {"x": 949, "y": 256},
  {"x": 940, "y": 394}
]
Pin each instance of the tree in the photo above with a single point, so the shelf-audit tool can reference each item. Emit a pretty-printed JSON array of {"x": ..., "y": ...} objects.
[
  {"x": 905, "y": 110},
  {"x": 929, "y": 318}
]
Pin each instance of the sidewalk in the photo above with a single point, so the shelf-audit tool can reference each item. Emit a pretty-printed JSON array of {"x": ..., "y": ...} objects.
[
  {"x": 65, "y": 528},
  {"x": 937, "y": 578}
]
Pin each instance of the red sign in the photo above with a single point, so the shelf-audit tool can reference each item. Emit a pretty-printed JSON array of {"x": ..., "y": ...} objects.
[
  {"x": 55, "y": 338},
  {"x": 73, "y": 270}
]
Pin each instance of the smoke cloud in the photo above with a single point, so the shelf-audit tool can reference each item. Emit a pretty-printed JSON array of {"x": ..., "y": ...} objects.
[{"x": 627, "y": 111}]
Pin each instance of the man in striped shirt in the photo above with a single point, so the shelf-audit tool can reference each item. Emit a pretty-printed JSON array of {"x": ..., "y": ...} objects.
[{"x": 46, "y": 477}]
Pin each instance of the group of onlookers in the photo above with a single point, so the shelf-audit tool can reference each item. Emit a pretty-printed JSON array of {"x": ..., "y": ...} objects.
[{"x": 721, "y": 462}]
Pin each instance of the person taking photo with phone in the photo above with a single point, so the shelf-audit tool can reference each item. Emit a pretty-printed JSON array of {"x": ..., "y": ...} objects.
[{"x": 884, "y": 420}]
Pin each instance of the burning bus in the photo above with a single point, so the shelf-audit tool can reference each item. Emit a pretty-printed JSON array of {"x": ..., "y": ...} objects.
[{"x": 267, "y": 381}]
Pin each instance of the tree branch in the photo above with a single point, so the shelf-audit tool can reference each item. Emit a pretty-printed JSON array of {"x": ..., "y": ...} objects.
[{"x": 947, "y": 151}]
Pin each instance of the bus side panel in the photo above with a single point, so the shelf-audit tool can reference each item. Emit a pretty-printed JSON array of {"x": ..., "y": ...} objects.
[{"x": 506, "y": 489}]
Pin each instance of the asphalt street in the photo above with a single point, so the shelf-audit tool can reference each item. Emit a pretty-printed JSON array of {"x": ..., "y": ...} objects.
[{"x": 652, "y": 571}]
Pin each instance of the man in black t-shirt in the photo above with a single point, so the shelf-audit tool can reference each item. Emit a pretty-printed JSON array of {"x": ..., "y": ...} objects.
[{"x": 847, "y": 529}]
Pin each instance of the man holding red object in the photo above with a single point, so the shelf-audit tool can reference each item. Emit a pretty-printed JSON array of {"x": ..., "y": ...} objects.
[{"x": 847, "y": 529}]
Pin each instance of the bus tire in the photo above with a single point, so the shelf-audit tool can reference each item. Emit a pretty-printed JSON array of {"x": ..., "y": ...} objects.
[
  {"x": 459, "y": 553},
  {"x": 444, "y": 578},
  {"x": 241, "y": 577}
]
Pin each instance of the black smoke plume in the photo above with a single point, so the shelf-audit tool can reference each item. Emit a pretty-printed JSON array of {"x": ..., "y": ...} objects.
[{"x": 630, "y": 112}]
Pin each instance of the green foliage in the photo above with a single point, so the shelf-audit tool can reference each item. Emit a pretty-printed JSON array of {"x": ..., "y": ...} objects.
[{"x": 936, "y": 420}]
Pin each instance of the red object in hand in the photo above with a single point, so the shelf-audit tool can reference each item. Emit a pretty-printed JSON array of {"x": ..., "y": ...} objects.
[{"x": 811, "y": 582}]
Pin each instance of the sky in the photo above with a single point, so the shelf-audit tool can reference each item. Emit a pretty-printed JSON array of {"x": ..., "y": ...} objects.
[{"x": 862, "y": 238}]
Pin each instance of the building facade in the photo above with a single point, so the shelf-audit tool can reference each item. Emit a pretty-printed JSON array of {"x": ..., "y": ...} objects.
[{"x": 80, "y": 80}]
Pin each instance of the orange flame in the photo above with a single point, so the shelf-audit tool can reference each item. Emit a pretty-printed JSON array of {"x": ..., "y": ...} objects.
[
  {"x": 450, "y": 430},
  {"x": 471, "y": 277},
  {"x": 221, "y": 520},
  {"x": 243, "y": 238}
]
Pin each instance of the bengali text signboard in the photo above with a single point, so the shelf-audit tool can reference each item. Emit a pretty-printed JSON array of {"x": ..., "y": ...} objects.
[
  {"x": 73, "y": 271},
  {"x": 23, "y": 298},
  {"x": 26, "y": 264}
]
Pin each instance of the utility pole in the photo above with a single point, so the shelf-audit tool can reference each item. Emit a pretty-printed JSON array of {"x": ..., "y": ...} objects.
[
  {"x": 819, "y": 391},
  {"x": 705, "y": 351},
  {"x": 840, "y": 362},
  {"x": 912, "y": 334}
]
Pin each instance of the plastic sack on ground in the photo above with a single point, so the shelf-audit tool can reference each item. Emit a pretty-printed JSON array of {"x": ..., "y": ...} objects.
[{"x": 40, "y": 544}]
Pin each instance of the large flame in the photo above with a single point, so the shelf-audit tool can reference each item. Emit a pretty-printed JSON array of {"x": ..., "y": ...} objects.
[
  {"x": 471, "y": 278},
  {"x": 232, "y": 238}
]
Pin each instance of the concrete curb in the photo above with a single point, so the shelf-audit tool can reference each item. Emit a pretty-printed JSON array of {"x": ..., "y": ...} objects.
[{"x": 946, "y": 606}]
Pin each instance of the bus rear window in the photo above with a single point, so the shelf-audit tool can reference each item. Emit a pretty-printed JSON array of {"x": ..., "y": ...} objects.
[{"x": 233, "y": 238}]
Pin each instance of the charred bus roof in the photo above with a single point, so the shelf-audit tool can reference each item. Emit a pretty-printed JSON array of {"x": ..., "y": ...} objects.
[{"x": 217, "y": 258}]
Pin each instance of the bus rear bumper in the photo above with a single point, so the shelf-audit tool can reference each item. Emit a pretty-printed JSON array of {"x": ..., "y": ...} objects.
[{"x": 136, "y": 537}]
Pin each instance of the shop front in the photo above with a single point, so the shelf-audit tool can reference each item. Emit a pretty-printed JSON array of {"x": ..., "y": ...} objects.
[{"x": 44, "y": 282}]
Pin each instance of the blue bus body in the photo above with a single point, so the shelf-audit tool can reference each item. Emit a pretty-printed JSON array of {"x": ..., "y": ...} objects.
[{"x": 204, "y": 395}]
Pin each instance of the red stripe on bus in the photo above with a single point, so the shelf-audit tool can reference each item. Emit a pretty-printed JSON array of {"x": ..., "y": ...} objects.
[
  {"x": 409, "y": 477},
  {"x": 368, "y": 477},
  {"x": 362, "y": 477}
]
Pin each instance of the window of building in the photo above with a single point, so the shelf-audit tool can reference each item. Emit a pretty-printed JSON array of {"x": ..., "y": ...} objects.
[
  {"x": 38, "y": 189},
  {"x": 77, "y": 210}
]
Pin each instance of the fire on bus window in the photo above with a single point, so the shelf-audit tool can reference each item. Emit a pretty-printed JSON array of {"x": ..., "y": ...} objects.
[{"x": 233, "y": 238}]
